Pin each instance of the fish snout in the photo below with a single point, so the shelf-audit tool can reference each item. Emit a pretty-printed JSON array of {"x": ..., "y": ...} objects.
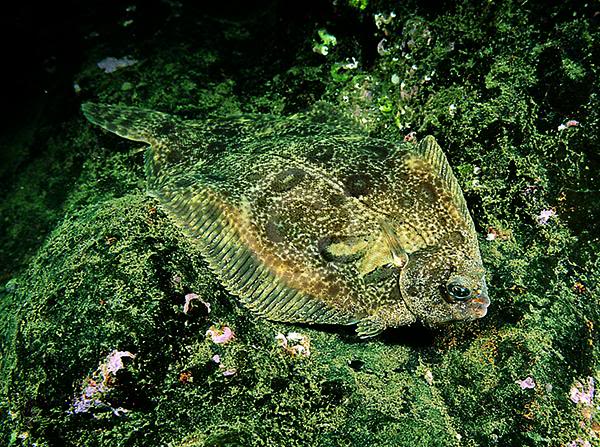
[{"x": 479, "y": 305}]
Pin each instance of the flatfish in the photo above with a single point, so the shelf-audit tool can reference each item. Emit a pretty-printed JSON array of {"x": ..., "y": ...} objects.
[{"x": 306, "y": 219}]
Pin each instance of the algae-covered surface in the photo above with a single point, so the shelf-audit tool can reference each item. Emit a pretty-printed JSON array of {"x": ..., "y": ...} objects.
[{"x": 98, "y": 347}]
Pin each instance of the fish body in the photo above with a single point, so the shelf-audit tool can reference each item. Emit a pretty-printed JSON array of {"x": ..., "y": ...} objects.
[{"x": 306, "y": 219}]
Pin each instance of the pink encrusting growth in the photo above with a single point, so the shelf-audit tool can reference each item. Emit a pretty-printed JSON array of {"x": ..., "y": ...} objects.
[
  {"x": 527, "y": 383},
  {"x": 583, "y": 394},
  {"x": 188, "y": 306},
  {"x": 570, "y": 123},
  {"x": 545, "y": 216},
  {"x": 220, "y": 335},
  {"x": 114, "y": 361},
  {"x": 99, "y": 383}
]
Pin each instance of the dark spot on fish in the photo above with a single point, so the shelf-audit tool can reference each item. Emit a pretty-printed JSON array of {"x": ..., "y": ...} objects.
[
  {"x": 296, "y": 214},
  {"x": 321, "y": 152},
  {"x": 274, "y": 230},
  {"x": 288, "y": 179},
  {"x": 357, "y": 185},
  {"x": 429, "y": 191},
  {"x": 335, "y": 391},
  {"x": 456, "y": 238},
  {"x": 334, "y": 290},
  {"x": 317, "y": 205},
  {"x": 323, "y": 245}
]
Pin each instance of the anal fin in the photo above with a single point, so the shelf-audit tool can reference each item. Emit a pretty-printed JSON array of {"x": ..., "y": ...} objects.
[
  {"x": 225, "y": 240},
  {"x": 370, "y": 327}
]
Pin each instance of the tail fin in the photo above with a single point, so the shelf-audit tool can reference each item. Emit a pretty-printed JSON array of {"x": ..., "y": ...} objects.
[
  {"x": 165, "y": 134},
  {"x": 131, "y": 122}
]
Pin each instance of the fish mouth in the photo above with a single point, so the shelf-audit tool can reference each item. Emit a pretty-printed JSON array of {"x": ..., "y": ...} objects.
[{"x": 479, "y": 306}]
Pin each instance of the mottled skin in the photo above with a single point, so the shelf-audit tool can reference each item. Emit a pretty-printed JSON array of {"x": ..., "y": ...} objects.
[{"x": 308, "y": 220}]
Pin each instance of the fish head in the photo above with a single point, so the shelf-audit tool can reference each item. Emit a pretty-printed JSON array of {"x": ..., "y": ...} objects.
[{"x": 446, "y": 283}]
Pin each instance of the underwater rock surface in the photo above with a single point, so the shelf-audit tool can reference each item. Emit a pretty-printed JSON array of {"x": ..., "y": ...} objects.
[{"x": 115, "y": 331}]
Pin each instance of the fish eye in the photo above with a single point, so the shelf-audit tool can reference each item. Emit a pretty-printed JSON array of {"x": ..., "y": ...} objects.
[{"x": 457, "y": 291}]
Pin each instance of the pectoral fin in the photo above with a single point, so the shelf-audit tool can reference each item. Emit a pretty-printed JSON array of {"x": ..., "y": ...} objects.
[{"x": 383, "y": 249}]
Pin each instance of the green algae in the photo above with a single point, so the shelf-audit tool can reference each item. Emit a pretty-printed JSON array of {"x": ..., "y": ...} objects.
[{"x": 104, "y": 269}]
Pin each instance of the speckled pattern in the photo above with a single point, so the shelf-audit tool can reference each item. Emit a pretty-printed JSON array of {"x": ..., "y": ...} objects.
[{"x": 308, "y": 220}]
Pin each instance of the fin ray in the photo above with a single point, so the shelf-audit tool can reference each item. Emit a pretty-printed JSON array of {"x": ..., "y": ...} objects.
[
  {"x": 369, "y": 327},
  {"x": 431, "y": 151}
]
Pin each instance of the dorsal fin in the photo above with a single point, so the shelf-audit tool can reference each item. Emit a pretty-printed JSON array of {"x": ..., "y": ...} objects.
[{"x": 430, "y": 150}]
